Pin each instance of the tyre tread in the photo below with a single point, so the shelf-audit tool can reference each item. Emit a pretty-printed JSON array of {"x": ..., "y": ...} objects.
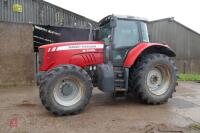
[{"x": 49, "y": 76}]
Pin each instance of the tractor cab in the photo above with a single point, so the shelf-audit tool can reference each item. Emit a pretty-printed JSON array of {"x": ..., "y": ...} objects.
[{"x": 120, "y": 34}]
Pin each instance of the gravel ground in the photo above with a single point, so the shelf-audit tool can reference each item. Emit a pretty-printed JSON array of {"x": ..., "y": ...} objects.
[{"x": 22, "y": 112}]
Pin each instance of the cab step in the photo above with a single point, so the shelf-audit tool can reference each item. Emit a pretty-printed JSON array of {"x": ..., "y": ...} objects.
[
  {"x": 119, "y": 80},
  {"x": 120, "y": 93},
  {"x": 120, "y": 89}
]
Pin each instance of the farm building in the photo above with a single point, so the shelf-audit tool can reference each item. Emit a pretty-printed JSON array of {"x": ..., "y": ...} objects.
[
  {"x": 184, "y": 41},
  {"x": 27, "y": 24}
]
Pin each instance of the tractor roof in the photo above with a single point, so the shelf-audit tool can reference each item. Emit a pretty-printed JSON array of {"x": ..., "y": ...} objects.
[
  {"x": 130, "y": 17},
  {"x": 113, "y": 16}
]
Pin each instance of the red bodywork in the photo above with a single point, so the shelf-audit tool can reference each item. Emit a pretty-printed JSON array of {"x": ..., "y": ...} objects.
[
  {"x": 136, "y": 51},
  {"x": 77, "y": 53},
  {"x": 85, "y": 53}
]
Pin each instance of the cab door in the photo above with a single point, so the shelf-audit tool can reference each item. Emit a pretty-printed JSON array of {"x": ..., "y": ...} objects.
[{"x": 126, "y": 35}]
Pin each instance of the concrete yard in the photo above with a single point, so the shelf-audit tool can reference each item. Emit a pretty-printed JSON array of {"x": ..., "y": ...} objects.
[{"x": 22, "y": 112}]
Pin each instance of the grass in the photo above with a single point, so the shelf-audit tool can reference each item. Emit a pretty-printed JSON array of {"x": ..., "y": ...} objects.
[
  {"x": 189, "y": 77},
  {"x": 195, "y": 126}
]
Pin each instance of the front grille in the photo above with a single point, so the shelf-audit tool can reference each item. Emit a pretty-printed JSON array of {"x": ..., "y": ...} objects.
[{"x": 41, "y": 54}]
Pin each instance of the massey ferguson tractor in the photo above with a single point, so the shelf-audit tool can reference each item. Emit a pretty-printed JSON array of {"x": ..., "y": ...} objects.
[{"x": 120, "y": 60}]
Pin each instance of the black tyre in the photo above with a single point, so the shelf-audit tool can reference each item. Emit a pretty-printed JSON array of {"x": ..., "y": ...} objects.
[
  {"x": 65, "y": 90},
  {"x": 153, "y": 78}
]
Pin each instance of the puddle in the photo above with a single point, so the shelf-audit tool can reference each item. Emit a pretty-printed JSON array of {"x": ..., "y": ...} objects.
[{"x": 181, "y": 103}]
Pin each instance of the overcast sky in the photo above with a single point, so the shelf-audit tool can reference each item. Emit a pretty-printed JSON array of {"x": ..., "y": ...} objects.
[{"x": 186, "y": 12}]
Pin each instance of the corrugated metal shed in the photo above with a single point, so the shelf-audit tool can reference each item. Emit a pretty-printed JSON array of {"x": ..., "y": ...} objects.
[
  {"x": 39, "y": 12},
  {"x": 185, "y": 42}
]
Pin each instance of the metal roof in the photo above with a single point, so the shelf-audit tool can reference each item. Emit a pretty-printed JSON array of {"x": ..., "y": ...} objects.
[
  {"x": 39, "y": 12},
  {"x": 113, "y": 16},
  {"x": 171, "y": 19},
  {"x": 130, "y": 17}
]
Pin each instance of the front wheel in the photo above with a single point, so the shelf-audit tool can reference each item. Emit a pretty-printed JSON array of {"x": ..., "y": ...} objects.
[
  {"x": 65, "y": 90},
  {"x": 153, "y": 79}
]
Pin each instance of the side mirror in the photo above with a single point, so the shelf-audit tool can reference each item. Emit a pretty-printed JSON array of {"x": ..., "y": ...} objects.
[{"x": 107, "y": 40}]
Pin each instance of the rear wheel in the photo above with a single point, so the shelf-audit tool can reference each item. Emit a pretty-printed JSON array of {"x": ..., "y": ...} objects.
[
  {"x": 153, "y": 78},
  {"x": 65, "y": 90}
]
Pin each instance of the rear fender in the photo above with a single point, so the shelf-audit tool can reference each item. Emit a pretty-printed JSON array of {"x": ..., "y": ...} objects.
[{"x": 146, "y": 48}]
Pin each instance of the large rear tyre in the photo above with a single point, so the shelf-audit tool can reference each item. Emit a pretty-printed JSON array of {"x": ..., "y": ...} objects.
[
  {"x": 153, "y": 78},
  {"x": 65, "y": 90}
]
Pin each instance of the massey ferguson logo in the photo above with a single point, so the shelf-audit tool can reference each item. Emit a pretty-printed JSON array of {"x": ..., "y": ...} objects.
[
  {"x": 82, "y": 46},
  {"x": 75, "y": 47}
]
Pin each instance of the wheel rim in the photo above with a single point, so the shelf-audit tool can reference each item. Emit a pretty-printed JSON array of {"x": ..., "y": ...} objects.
[
  {"x": 68, "y": 92},
  {"x": 158, "y": 79}
]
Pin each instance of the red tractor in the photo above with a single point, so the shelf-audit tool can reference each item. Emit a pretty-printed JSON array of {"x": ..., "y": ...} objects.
[{"x": 120, "y": 60}]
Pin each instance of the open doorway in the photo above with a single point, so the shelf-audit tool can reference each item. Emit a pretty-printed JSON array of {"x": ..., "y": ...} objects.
[{"x": 43, "y": 35}]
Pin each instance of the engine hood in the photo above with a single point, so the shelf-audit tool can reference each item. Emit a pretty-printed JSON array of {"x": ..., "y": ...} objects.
[{"x": 81, "y": 53}]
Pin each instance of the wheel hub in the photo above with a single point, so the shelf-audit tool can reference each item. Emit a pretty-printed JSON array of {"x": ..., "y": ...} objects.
[
  {"x": 67, "y": 92},
  {"x": 154, "y": 78},
  {"x": 158, "y": 80},
  {"x": 67, "y": 89}
]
